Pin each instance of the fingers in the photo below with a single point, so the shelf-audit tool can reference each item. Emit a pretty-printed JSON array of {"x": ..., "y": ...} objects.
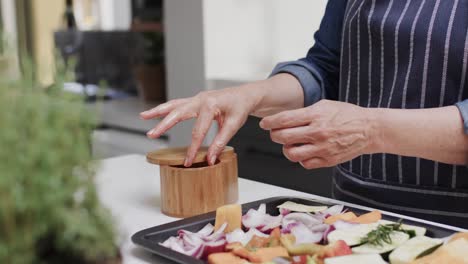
[
  {"x": 290, "y": 136},
  {"x": 199, "y": 131},
  {"x": 169, "y": 121},
  {"x": 301, "y": 152},
  {"x": 226, "y": 132},
  {"x": 315, "y": 163},
  {"x": 287, "y": 119},
  {"x": 162, "y": 109}
]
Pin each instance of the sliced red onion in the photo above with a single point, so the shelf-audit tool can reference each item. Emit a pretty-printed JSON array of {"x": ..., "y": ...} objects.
[
  {"x": 304, "y": 235},
  {"x": 262, "y": 208},
  {"x": 328, "y": 231},
  {"x": 284, "y": 211},
  {"x": 271, "y": 222},
  {"x": 217, "y": 234},
  {"x": 319, "y": 228},
  {"x": 340, "y": 224},
  {"x": 205, "y": 231},
  {"x": 199, "y": 244},
  {"x": 259, "y": 219},
  {"x": 308, "y": 220},
  {"x": 213, "y": 247},
  {"x": 243, "y": 237},
  {"x": 191, "y": 239},
  {"x": 333, "y": 210},
  {"x": 286, "y": 229}
]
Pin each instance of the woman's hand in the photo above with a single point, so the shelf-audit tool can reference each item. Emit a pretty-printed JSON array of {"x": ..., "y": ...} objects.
[
  {"x": 324, "y": 134},
  {"x": 230, "y": 108}
]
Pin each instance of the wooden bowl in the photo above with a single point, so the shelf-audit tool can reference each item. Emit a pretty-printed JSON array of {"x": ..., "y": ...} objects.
[{"x": 197, "y": 189}]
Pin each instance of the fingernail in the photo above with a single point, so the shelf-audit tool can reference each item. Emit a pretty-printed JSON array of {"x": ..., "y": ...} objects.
[
  {"x": 151, "y": 132},
  {"x": 213, "y": 160},
  {"x": 186, "y": 163},
  {"x": 262, "y": 124}
]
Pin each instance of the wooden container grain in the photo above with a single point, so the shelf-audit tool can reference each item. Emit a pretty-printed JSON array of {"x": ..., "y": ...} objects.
[{"x": 198, "y": 189}]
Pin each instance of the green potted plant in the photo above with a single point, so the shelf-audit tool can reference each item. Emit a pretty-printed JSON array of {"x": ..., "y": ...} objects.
[
  {"x": 49, "y": 208},
  {"x": 150, "y": 68},
  {"x": 3, "y": 58}
]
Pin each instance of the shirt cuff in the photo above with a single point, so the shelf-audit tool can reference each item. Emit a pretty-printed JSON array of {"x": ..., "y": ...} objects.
[
  {"x": 306, "y": 77},
  {"x": 463, "y": 107}
]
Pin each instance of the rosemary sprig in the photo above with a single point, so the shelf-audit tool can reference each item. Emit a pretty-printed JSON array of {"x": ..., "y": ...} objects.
[{"x": 381, "y": 234}]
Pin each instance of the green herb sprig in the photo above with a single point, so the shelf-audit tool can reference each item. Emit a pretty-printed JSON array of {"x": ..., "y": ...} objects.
[{"x": 381, "y": 235}]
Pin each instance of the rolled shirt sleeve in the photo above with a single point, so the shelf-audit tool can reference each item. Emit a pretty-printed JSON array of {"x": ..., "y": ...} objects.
[
  {"x": 463, "y": 107},
  {"x": 306, "y": 75},
  {"x": 318, "y": 72}
]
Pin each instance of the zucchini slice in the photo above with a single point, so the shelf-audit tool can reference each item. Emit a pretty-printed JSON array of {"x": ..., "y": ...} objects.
[
  {"x": 420, "y": 231},
  {"x": 397, "y": 238},
  {"x": 413, "y": 248},
  {"x": 353, "y": 235}
]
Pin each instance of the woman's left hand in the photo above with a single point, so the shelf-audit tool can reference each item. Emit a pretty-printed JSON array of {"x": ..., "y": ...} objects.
[{"x": 324, "y": 134}]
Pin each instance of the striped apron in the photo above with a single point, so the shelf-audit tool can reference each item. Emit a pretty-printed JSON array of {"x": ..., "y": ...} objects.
[{"x": 405, "y": 54}]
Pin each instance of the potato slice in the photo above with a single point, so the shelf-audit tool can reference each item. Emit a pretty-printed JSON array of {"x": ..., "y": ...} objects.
[
  {"x": 295, "y": 207},
  {"x": 230, "y": 214}
]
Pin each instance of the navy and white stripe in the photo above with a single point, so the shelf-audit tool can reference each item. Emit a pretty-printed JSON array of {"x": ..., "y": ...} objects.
[
  {"x": 416, "y": 59},
  {"x": 397, "y": 54}
]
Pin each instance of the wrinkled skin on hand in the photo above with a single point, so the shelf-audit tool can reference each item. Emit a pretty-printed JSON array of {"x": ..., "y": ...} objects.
[
  {"x": 324, "y": 134},
  {"x": 229, "y": 107}
]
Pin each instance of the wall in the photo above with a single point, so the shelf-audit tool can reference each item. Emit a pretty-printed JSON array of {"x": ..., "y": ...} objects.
[
  {"x": 9, "y": 65},
  {"x": 185, "y": 60},
  {"x": 244, "y": 39},
  {"x": 46, "y": 18}
]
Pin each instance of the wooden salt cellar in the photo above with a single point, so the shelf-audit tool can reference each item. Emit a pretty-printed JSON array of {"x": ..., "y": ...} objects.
[{"x": 197, "y": 189}]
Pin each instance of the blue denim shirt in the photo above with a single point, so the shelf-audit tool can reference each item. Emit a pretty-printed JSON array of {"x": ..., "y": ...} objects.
[{"x": 319, "y": 71}]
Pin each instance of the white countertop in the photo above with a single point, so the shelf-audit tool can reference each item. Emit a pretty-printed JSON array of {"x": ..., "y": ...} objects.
[{"x": 129, "y": 187}]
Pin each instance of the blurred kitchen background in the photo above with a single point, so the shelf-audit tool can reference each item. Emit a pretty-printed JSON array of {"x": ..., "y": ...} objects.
[{"x": 149, "y": 51}]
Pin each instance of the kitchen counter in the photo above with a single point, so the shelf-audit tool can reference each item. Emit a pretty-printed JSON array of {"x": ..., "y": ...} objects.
[{"x": 129, "y": 187}]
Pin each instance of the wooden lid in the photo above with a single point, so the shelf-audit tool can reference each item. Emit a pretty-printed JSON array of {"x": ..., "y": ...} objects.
[{"x": 176, "y": 156}]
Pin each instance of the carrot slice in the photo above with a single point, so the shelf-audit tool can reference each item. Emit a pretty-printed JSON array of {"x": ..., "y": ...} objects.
[
  {"x": 348, "y": 216},
  {"x": 368, "y": 218},
  {"x": 224, "y": 258},
  {"x": 267, "y": 254}
]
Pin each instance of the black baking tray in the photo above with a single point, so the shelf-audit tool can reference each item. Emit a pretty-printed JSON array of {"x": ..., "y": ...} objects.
[{"x": 150, "y": 238}]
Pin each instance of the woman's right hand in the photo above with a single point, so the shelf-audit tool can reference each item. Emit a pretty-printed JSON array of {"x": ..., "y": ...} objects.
[{"x": 229, "y": 107}]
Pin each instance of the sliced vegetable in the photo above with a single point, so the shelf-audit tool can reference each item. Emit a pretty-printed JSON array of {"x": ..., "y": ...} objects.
[
  {"x": 310, "y": 221},
  {"x": 294, "y": 249},
  {"x": 340, "y": 224},
  {"x": 305, "y": 235},
  {"x": 230, "y": 214},
  {"x": 257, "y": 242},
  {"x": 368, "y": 218},
  {"x": 335, "y": 249},
  {"x": 454, "y": 252},
  {"x": 260, "y": 220},
  {"x": 348, "y": 216},
  {"x": 352, "y": 235},
  {"x": 243, "y": 237},
  {"x": 394, "y": 240},
  {"x": 225, "y": 258},
  {"x": 260, "y": 255},
  {"x": 200, "y": 244},
  {"x": 361, "y": 259},
  {"x": 266, "y": 254},
  {"x": 458, "y": 236},
  {"x": 333, "y": 210},
  {"x": 274, "y": 239},
  {"x": 419, "y": 231},
  {"x": 296, "y": 207},
  {"x": 411, "y": 249}
]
